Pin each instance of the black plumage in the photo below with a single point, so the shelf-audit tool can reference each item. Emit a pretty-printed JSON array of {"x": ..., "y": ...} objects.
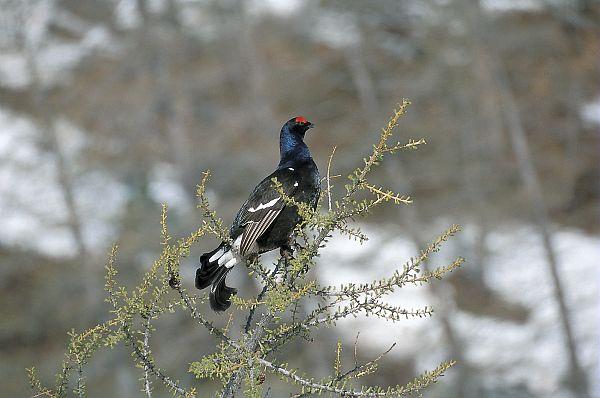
[{"x": 264, "y": 222}]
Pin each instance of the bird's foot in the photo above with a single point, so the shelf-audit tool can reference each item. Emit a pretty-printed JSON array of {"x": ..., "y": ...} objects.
[
  {"x": 298, "y": 246},
  {"x": 174, "y": 282},
  {"x": 252, "y": 259},
  {"x": 286, "y": 252}
]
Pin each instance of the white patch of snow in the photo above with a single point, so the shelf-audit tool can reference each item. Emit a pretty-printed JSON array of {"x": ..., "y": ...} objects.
[
  {"x": 336, "y": 29},
  {"x": 590, "y": 112},
  {"x": 277, "y": 7},
  {"x": 165, "y": 188},
  {"x": 127, "y": 14},
  {"x": 13, "y": 70},
  {"x": 512, "y": 5},
  {"x": 156, "y": 6},
  {"x": 55, "y": 61},
  {"x": 101, "y": 215},
  {"x": 72, "y": 139}
]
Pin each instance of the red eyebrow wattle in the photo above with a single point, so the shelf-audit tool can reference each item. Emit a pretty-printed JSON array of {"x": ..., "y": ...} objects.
[{"x": 301, "y": 119}]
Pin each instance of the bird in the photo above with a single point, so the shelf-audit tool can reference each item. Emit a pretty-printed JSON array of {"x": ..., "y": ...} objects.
[{"x": 265, "y": 221}]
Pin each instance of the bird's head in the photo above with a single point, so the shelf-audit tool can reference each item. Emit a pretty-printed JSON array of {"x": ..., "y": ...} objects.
[{"x": 298, "y": 125}]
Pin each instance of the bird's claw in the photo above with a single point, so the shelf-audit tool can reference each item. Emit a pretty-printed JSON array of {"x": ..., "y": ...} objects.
[
  {"x": 286, "y": 252},
  {"x": 298, "y": 246},
  {"x": 174, "y": 282}
]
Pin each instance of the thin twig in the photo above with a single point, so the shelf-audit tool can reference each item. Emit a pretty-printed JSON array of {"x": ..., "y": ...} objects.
[
  {"x": 360, "y": 367},
  {"x": 357, "y": 367},
  {"x": 80, "y": 388},
  {"x": 259, "y": 298},
  {"x": 47, "y": 393},
  {"x": 356, "y": 349},
  {"x": 146, "y": 352},
  {"x": 251, "y": 345},
  {"x": 188, "y": 303},
  {"x": 416, "y": 385},
  {"x": 254, "y": 339},
  {"x": 147, "y": 362},
  {"x": 329, "y": 177},
  {"x": 388, "y": 195}
]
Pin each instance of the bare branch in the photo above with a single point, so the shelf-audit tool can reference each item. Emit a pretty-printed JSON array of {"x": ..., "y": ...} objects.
[
  {"x": 416, "y": 385},
  {"x": 386, "y": 195},
  {"x": 148, "y": 363},
  {"x": 146, "y": 352},
  {"x": 329, "y": 177}
]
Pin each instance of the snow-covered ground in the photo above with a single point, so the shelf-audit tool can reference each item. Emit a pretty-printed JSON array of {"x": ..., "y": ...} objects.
[{"x": 507, "y": 353}]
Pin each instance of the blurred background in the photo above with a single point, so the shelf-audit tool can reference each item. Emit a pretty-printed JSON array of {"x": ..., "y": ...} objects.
[{"x": 108, "y": 108}]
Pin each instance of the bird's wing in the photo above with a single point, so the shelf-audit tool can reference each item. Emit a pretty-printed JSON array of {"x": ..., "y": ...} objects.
[{"x": 263, "y": 206}]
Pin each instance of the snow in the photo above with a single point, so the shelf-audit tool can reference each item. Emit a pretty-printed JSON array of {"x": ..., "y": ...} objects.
[
  {"x": 590, "y": 112},
  {"x": 127, "y": 14},
  {"x": 277, "y": 7},
  {"x": 101, "y": 216},
  {"x": 505, "y": 353},
  {"x": 13, "y": 70},
  {"x": 164, "y": 187},
  {"x": 512, "y": 5},
  {"x": 336, "y": 29},
  {"x": 55, "y": 58},
  {"x": 59, "y": 57}
]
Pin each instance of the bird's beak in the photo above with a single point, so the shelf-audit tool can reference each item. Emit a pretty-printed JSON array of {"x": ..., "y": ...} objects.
[{"x": 310, "y": 125}]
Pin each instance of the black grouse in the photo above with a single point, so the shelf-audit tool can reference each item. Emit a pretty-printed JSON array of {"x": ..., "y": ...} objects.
[{"x": 264, "y": 221}]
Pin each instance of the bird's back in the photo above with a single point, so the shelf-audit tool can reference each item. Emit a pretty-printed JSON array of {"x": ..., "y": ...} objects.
[{"x": 300, "y": 181}]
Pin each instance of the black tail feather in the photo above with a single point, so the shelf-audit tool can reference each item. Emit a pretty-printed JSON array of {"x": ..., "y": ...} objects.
[
  {"x": 210, "y": 273},
  {"x": 220, "y": 293}
]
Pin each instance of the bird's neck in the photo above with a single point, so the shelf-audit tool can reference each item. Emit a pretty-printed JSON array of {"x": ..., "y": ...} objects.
[{"x": 292, "y": 149}]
